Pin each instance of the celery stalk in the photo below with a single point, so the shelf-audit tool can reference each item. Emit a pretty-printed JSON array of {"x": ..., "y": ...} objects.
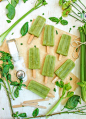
[{"x": 82, "y": 63}]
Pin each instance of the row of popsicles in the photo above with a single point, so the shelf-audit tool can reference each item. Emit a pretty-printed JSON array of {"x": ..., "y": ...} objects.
[
  {"x": 49, "y": 65},
  {"x": 49, "y": 36}
]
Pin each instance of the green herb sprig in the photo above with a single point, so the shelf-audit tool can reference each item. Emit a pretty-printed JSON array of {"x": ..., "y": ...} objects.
[
  {"x": 61, "y": 20},
  {"x": 65, "y": 87}
]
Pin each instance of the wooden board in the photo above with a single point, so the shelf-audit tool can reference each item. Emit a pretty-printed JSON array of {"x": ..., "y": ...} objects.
[{"x": 24, "y": 52}]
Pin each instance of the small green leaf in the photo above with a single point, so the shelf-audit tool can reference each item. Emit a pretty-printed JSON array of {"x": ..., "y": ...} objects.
[
  {"x": 16, "y": 93},
  {"x": 9, "y": 77},
  {"x": 12, "y": 33},
  {"x": 14, "y": 2},
  {"x": 67, "y": 86},
  {"x": 1, "y": 80},
  {"x": 30, "y": 20},
  {"x": 61, "y": 2},
  {"x": 64, "y": 22},
  {"x": 70, "y": 94},
  {"x": 2, "y": 108},
  {"x": 81, "y": 84},
  {"x": 42, "y": 13},
  {"x": 24, "y": 29},
  {"x": 14, "y": 83},
  {"x": 76, "y": 49},
  {"x": 70, "y": 29},
  {"x": 8, "y": 21},
  {"x": 54, "y": 89},
  {"x": 56, "y": 32},
  {"x": 72, "y": 102},
  {"x": 61, "y": 84},
  {"x": 60, "y": 18},
  {"x": 21, "y": 43},
  {"x": 74, "y": 26},
  {"x": 25, "y": 1},
  {"x": 22, "y": 115},
  {"x": 54, "y": 19},
  {"x": 35, "y": 112},
  {"x": 11, "y": 11},
  {"x": 70, "y": 78},
  {"x": 34, "y": 46}
]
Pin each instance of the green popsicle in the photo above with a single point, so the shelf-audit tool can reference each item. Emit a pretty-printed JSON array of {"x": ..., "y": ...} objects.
[
  {"x": 65, "y": 69},
  {"x": 37, "y": 26},
  {"x": 34, "y": 60},
  {"x": 49, "y": 64},
  {"x": 38, "y": 89},
  {"x": 64, "y": 45},
  {"x": 49, "y": 35}
]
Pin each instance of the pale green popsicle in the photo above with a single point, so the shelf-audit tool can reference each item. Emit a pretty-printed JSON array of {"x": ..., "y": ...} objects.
[
  {"x": 37, "y": 26},
  {"x": 38, "y": 89},
  {"x": 48, "y": 67},
  {"x": 34, "y": 58},
  {"x": 65, "y": 69},
  {"x": 64, "y": 45},
  {"x": 49, "y": 35}
]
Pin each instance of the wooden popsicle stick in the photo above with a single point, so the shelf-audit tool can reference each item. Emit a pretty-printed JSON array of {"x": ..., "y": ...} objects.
[
  {"x": 37, "y": 100},
  {"x": 37, "y": 106},
  {"x": 30, "y": 39},
  {"x": 31, "y": 36},
  {"x": 50, "y": 95},
  {"x": 31, "y": 105},
  {"x": 47, "y": 49},
  {"x": 46, "y": 78},
  {"x": 55, "y": 79},
  {"x": 60, "y": 57},
  {"x": 34, "y": 73}
]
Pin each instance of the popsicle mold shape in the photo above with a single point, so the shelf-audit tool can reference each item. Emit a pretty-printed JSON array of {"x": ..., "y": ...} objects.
[
  {"x": 49, "y": 64},
  {"x": 64, "y": 45},
  {"x": 38, "y": 89},
  {"x": 37, "y": 26}
]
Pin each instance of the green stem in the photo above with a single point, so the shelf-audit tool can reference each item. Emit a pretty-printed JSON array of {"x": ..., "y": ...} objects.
[
  {"x": 64, "y": 112},
  {"x": 76, "y": 8},
  {"x": 82, "y": 62},
  {"x": 8, "y": 99},
  {"x": 9, "y": 88},
  {"x": 77, "y": 18},
  {"x": 82, "y": 3},
  {"x": 55, "y": 106},
  {"x": 76, "y": 14},
  {"x": 5, "y": 88}
]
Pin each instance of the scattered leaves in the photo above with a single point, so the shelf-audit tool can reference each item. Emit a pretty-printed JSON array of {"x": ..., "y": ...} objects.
[
  {"x": 72, "y": 102},
  {"x": 8, "y": 21},
  {"x": 11, "y": 11},
  {"x": 54, "y": 89},
  {"x": 24, "y": 29},
  {"x": 35, "y": 112},
  {"x": 14, "y": 2},
  {"x": 56, "y": 32}
]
